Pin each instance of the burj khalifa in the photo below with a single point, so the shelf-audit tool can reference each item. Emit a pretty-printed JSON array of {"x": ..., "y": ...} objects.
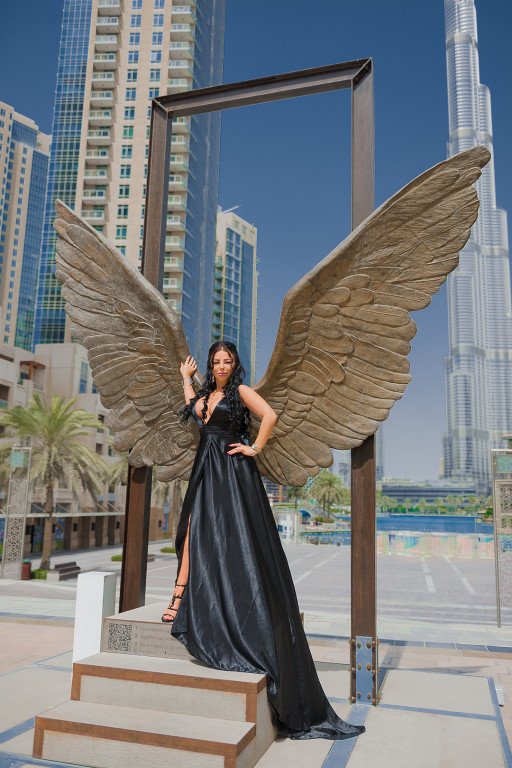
[{"x": 478, "y": 368}]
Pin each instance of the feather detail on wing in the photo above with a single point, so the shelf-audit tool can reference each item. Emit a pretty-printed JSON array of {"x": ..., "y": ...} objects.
[
  {"x": 134, "y": 342},
  {"x": 340, "y": 358}
]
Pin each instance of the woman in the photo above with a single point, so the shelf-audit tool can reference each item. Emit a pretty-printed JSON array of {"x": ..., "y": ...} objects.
[{"x": 234, "y": 606}]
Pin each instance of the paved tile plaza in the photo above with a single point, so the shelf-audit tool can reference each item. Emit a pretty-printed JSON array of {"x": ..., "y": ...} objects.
[
  {"x": 429, "y": 599},
  {"x": 434, "y": 615}
]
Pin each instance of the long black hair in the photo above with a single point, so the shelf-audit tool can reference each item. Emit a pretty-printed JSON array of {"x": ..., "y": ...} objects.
[{"x": 239, "y": 415}]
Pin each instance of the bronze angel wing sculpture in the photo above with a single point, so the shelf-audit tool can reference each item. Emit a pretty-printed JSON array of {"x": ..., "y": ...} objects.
[{"x": 340, "y": 357}]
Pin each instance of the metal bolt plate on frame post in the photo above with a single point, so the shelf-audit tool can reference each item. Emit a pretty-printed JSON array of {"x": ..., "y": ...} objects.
[{"x": 365, "y": 669}]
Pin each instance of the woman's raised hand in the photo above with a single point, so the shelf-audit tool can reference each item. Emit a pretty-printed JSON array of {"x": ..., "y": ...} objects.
[{"x": 188, "y": 367}]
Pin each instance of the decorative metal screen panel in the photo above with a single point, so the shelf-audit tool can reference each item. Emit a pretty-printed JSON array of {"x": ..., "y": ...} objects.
[
  {"x": 16, "y": 513},
  {"x": 501, "y": 462}
]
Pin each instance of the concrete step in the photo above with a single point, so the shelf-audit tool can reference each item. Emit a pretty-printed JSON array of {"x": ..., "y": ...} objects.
[
  {"x": 141, "y": 631},
  {"x": 103, "y": 736},
  {"x": 171, "y": 685}
]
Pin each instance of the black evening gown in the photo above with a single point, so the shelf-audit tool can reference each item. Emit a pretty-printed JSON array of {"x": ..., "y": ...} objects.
[{"x": 239, "y": 609}]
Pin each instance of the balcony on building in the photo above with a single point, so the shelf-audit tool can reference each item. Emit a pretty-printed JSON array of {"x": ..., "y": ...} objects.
[
  {"x": 172, "y": 284},
  {"x": 179, "y": 143},
  {"x": 94, "y": 195},
  {"x": 97, "y": 156},
  {"x": 183, "y": 14},
  {"x": 106, "y": 43},
  {"x": 99, "y": 137},
  {"x": 182, "y": 32},
  {"x": 105, "y": 61},
  {"x": 103, "y": 80},
  {"x": 177, "y": 181},
  {"x": 109, "y": 7},
  {"x": 180, "y": 125},
  {"x": 178, "y": 163},
  {"x": 174, "y": 243},
  {"x": 177, "y": 84},
  {"x": 102, "y": 98},
  {"x": 101, "y": 117},
  {"x": 176, "y": 203},
  {"x": 107, "y": 24},
  {"x": 172, "y": 263},
  {"x": 180, "y": 49},
  {"x": 93, "y": 215},
  {"x": 180, "y": 67},
  {"x": 96, "y": 175},
  {"x": 175, "y": 223}
]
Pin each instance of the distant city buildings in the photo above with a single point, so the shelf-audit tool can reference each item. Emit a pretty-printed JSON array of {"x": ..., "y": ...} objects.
[
  {"x": 24, "y": 156},
  {"x": 479, "y": 365},
  {"x": 114, "y": 58},
  {"x": 343, "y": 462},
  {"x": 429, "y": 492},
  {"x": 236, "y": 288}
]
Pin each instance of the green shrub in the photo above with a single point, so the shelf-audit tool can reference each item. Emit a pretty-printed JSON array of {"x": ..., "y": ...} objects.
[
  {"x": 117, "y": 558},
  {"x": 39, "y": 573},
  {"x": 168, "y": 550}
]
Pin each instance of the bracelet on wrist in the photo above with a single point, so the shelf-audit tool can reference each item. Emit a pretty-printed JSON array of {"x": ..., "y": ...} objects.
[
  {"x": 187, "y": 380},
  {"x": 255, "y": 447}
]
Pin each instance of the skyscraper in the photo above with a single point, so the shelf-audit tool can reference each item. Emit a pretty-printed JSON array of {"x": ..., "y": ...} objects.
[
  {"x": 236, "y": 287},
  {"x": 479, "y": 364},
  {"x": 24, "y": 154},
  {"x": 115, "y": 56}
]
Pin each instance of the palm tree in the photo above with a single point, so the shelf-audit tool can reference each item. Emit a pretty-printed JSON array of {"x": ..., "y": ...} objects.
[
  {"x": 295, "y": 493},
  {"x": 58, "y": 455},
  {"x": 327, "y": 489},
  {"x": 422, "y": 506}
]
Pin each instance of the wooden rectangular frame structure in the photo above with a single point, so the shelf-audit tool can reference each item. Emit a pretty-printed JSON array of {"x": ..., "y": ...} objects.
[{"x": 358, "y": 76}]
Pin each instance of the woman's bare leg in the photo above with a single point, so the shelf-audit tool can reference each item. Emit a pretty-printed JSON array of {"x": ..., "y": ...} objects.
[{"x": 182, "y": 579}]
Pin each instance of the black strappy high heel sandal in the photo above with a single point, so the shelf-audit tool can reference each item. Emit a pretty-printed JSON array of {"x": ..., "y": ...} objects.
[{"x": 171, "y": 604}]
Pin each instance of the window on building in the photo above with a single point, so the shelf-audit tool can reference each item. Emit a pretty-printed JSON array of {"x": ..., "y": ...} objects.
[
  {"x": 159, "y": 4},
  {"x": 153, "y": 93},
  {"x": 158, "y": 19},
  {"x": 131, "y": 94},
  {"x": 129, "y": 113},
  {"x": 133, "y": 57},
  {"x": 135, "y": 20},
  {"x": 157, "y": 38},
  {"x": 154, "y": 75},
  {"x": 125, "y": 171},
  {"x": 136, "y": 5},
  {"x": 124, "y": 190},
  {"x": 84, "y": 373},
  {"x": 126, "y": 151},
  {"x": 134, "y": 38},
  {"x": 121, "y": 232},
  {"x": 128, "y": 132},
  {"x": 156, "y": 57},
  {"x": 131, "y": 76},
  {"x": 122, "y": 211}
]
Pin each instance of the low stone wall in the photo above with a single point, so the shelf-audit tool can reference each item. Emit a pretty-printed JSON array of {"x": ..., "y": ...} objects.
[{"x": 469, "y": 545}]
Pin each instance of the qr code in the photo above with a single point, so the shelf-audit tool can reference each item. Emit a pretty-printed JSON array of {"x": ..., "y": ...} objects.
[{"x": 120, "y": 637}]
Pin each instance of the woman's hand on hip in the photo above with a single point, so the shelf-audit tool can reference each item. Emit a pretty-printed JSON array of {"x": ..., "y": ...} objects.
[{"x": 241, "y": 448}]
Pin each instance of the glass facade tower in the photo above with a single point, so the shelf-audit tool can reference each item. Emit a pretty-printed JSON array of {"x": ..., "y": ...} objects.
[
  {"x": 117, "y": 55},
  {"x": 235, "y": 288},
  {"x": 478, "y": 368},
  {"x": 24, "y": 155},
  {"x": 66, "y": 131}
]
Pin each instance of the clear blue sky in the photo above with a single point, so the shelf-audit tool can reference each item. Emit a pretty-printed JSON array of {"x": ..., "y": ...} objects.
[{"x": 286, "y": 164}]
